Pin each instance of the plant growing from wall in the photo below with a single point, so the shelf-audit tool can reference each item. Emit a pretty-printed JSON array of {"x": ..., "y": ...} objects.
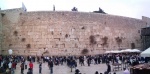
[
  {"x": 10, "y": 44},
  {"x": 20, "y": 13},
  {"x": 15, "y": 33},
  {"x": 38, "y": 18},
  {"x": 92, "y": 41},
  {"x": 84, "y": 51},
  {"x": 28, "y": 46},
  {"x": 132, "y": 45},
  {"x": 119, "y": 41},
  {"x": 2, "y": 14},
  {"x": 104, "y": 41},
  {"x": 83, "y": 28},
  {"x": 23, "y": 39},
  {"x": 66, "y": 35}
]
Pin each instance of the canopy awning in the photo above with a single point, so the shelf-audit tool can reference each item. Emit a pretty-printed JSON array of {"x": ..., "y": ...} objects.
[{"x": 146, "y": 53}]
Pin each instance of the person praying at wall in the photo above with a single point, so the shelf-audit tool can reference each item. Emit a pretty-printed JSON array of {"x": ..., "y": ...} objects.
[
  {"x": 108, "y": 68},
  {"x": 13, "y": 67},
  {"x": 26, "y": 63},
  {"x": 40, "y": 67},
  {"x": 29, "y": 71},
  {"x": 31, "y": 66},
  {"x": 88, "y": 61},
  {"x": 22, "y": 68},
  {"x": 96, "y": 72},
  {"x": 10, "y": 65},
  {"x": 50, "y": 64}
]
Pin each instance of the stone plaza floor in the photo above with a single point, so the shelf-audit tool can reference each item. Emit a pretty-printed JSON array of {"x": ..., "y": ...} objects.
[{"x": 64, "y": 69}]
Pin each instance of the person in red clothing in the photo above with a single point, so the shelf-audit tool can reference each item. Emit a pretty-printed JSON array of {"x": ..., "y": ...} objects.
[
  {"x": 13, "y": 67},
  {"x": 31, "y": 66}
]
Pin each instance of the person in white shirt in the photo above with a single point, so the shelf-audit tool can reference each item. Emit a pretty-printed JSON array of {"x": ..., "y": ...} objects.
[
  {"x": 26, "y": 63},
  {"x": 47, "y": 58},
  {"x": 2, "y": 63},
  {"x": 126, "y": 71},
  {"x": 9, "y": 65}
]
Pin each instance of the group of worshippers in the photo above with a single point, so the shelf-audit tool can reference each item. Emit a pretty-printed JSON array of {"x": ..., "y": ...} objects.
[{"x": 8, "y": 63}]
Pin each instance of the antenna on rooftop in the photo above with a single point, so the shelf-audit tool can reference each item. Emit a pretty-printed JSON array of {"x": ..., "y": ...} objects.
[{"x": 24, "y": 7}]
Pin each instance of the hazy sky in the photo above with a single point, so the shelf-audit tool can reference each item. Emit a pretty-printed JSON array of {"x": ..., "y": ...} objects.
[{"x": 129, "y": 8}]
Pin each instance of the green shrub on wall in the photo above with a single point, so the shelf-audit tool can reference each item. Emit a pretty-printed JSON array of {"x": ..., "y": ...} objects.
[
  {"x": 119, "y": 41},
  {"x": 15, "y": 33},
  {"x": 84, "y": 51},
  {"x": 104, "y": 41}
]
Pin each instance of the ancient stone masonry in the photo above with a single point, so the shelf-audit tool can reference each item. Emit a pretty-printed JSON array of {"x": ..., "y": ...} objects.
[
  {"x": 66, "y": 33},
  {"x": 0, "y": 33}
]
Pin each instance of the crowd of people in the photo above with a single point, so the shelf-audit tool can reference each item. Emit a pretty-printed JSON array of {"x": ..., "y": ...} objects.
[{"x": 8, "y": 63}]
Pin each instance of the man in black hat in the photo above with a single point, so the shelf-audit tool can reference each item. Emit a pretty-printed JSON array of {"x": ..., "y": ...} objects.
[{"x": 108, "y": 68}]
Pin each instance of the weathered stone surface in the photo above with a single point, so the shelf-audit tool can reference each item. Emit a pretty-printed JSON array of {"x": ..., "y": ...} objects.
[
  {"x": 64, "y": 33},
  {"x": 64, "y": 69}
]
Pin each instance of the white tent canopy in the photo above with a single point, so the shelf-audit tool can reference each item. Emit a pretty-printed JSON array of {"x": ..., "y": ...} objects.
[
  {"x": 108, "y": 52},
  {"x": 126, "y": 50},
  {"x": 130, "y": 50},
  {"x": 113, "y": 51},
  {"x": 146, "y": 53},
  {"x": 135, "y": 50}
]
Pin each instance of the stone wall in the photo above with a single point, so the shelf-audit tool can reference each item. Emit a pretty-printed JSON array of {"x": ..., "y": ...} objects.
[
  {"x": 67, "y": 33},
  {"x": 0, "y": 33}
]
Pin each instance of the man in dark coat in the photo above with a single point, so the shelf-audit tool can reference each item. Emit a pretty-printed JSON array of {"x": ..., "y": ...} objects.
[
  {"x": 29, "y": 71},
  {"x": 77, "y": 71},
  {"x": 88, "y": 61},
  {"x": 50, "y": 64},
  {"x": 108, "y": 68},
  {"x": 71, "y": 64},
  {"x": 22, "y": 67},
  {"x": 40, "y": 67}
]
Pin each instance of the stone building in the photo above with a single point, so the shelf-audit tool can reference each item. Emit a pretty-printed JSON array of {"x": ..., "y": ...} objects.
[
  {"x": 66, "y": 33},
  {"x": 145, "y": 34}
]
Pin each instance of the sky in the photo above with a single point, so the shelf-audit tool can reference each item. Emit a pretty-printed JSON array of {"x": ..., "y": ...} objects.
[{"x": 128, "y": 8}]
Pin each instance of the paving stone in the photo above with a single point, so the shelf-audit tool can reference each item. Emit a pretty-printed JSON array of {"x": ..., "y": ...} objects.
[{"x": 63, "y": 69}]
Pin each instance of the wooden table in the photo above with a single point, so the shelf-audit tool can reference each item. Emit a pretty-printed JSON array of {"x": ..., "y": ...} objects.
[{"x": 140, "y": 69}]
